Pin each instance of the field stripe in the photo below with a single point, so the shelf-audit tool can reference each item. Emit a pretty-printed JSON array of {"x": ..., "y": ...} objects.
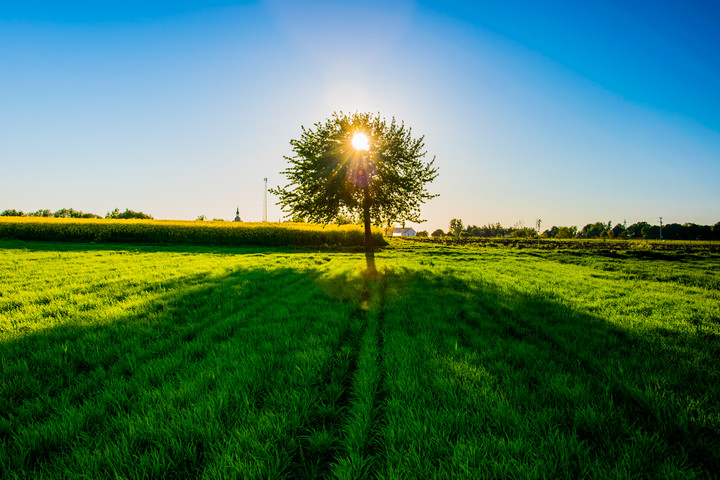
[{"x": 320, "y": 436}]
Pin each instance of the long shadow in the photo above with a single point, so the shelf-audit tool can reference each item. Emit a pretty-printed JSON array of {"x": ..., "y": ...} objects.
[
  {"x": 655, "y": 383},
  {"x": 249, "y": 374},
  {"x": 239, "y": 343}
]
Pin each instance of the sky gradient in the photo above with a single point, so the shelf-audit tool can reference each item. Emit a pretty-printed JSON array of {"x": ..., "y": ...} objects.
[{"x": 573, "y": 112}]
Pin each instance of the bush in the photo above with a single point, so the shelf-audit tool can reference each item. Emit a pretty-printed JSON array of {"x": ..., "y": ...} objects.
[
  {"x": 127, "y": 215},
  {"x": 182, "y": 232}
]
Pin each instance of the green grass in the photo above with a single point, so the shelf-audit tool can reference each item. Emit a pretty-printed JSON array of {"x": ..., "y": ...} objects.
[{"x": 456, "y": 362}]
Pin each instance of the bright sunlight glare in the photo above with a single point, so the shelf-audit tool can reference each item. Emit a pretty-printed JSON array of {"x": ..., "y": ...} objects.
[{"x": 360, "y": 141}]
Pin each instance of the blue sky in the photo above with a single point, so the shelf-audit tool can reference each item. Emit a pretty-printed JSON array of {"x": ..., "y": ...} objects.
[{"x": 572, "y": 112}]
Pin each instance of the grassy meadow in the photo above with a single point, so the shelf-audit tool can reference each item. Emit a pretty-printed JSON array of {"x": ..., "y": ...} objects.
[{"x": 467, "y": 361}]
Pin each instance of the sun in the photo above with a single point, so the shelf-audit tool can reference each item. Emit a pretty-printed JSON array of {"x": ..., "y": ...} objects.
[{"x": 360, "y": 141}]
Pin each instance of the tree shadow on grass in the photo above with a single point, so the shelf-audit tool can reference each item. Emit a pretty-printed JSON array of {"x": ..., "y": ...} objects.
[
  {"x": 550, "y": 360},
  {"x": 249, "y": 374},
  {"x": 218, "y": 373}
]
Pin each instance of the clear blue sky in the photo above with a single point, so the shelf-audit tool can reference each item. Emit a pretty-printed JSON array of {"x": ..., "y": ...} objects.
[{"x": 572, "y": 112}]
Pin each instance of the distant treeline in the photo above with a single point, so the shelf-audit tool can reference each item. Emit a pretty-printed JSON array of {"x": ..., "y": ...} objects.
[
  {"x": 70, "y": 213},
  {"x": 671, "y": 231}
]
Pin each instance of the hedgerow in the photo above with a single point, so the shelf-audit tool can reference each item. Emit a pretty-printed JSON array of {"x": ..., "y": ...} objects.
[{"x": 181, "y": 232}]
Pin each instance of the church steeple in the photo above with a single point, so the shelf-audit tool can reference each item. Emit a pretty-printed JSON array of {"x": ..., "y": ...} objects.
[{"x": 237, "y": 215}]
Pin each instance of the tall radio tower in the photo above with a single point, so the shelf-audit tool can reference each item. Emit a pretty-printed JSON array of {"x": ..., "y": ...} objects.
[{"x": 265, "y": 202}]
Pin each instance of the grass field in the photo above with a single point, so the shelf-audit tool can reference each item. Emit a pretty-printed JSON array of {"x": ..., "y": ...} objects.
[{"x": 119, "y": 361}]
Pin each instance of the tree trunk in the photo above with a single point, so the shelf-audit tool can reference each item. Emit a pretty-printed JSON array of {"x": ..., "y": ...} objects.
[{"x": 366, "y": 219}]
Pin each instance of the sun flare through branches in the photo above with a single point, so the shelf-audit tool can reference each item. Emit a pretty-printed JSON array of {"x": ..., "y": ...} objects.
[{"x": 360, "y": 141}]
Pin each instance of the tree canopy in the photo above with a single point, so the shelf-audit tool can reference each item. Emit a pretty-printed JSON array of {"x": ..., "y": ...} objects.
[
  {"x": 381, "y": 179},
  {"x": 456, "y": 226}
]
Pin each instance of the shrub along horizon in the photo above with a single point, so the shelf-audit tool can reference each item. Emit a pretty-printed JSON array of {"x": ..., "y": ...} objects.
[{"x": 182, "y": 232}]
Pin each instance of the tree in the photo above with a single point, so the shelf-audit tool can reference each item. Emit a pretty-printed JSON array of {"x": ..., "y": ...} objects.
[
  {"x": 472, "y": 231},
  {"x": 567, "y": 232},
  {"x": 635, "y": 230},
  {"x": 592, "y": 230},
  {"x": 705, "y": 232},
  {"x": 618, "y": 231},
  {"x": 42, "y": 213},
  {"x": 651, "y": 231},
  {"x": 422, "y": 234},
  {"x": 379, "y": 177},
  {"x": 552, "y": 232},
  {"x": 70, "y": 213},
  {"x": 456, "y": 226},
  {"x": 437, "y": 233},
  {"x": 127, "y": 214},
  {"x": 491, "y": 230},
  {"x": 524, "y": 232},
  {"x": 12, "y": 213}
]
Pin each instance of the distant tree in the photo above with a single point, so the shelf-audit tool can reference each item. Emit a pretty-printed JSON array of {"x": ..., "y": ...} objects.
[
  {"x": 635, "y": 230},
  {"x": 525, "y": 232},
  {"x": 70, "y": 213},
  {"x": 651, "y": 231},
  {"x": 218, "y": 219},
  {"x": 437, "y": 233},
  {"x": 493, "y": 230},
  {"x": 551, "y": 232},
  {"x": 618, "y": 230},
  {"x": 346, "y": 219},
  {"x": 705, "y": 232},
  {"x": 592, "y": 230},
  {"x": 12, "y": 213},
  {"x": 127, "y": 214},
  {"x": 538, "y": 223},
  {"x": 41, "y": 213},
  {"x": 690, "y": 231},
  {"x": 422, "y": 234},
  {"x": 716, "y": 231},
  {"x": 359, "y": 165},
  {"x": 201, "y": 218},
  {"x": 456, "y": 227},
  {"x": 64, "y": 213},
  {"x": 567, "y": 232},
  {"x": 673, "y": 231},
  {"x": 472, "y": 230}
]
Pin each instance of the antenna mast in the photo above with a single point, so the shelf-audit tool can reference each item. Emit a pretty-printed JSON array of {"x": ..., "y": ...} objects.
[{"x": 265, "y": 202}]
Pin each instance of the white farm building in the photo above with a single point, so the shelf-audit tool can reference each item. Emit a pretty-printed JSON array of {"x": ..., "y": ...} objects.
[{"x": 403, "y": 232}]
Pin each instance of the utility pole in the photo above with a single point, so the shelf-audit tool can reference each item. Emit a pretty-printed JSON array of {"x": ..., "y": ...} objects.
[
  {"x": 660, "y": 228},
  {"x": 265, "y": 202}
]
